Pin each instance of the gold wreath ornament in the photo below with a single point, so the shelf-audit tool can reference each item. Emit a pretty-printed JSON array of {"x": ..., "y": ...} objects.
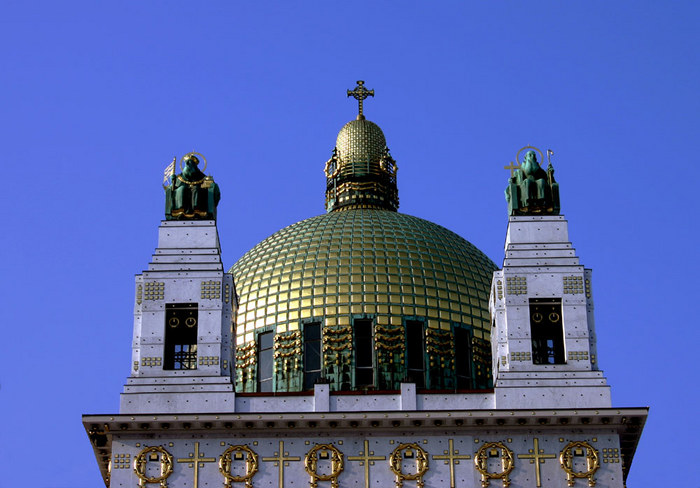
[
  {"x": 226, "y": 462},
  {"x": 166, "y": 466},
  {"x": 481, "y": 463},
  {"x": 311, "y": 464},
  {"x": 566, "y": 459},
  {"x": 421, "y": 464}
]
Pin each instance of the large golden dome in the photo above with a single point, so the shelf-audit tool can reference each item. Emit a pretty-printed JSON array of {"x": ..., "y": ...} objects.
[
  {"x": 366, "y": 263},
  {"x": 363, "y": 297}
]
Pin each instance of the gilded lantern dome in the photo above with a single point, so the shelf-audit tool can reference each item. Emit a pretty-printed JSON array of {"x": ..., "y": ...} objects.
[
  {"x": 363, "y": 297},
  {"x": 361, "y": 145}
]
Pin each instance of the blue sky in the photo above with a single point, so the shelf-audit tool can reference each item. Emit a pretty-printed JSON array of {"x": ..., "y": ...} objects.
[{"x": 97, "y": 98}]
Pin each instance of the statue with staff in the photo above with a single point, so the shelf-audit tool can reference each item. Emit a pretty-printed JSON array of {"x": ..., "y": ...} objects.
[
  {"x": 531, "y": 189},
  {"x": 190, "y": 195}
]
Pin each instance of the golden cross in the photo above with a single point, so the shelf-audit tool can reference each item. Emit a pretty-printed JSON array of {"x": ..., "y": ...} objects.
[
  {"x": 512, "y": 167},
  {"x": 196, "y": 462},
  {"x": 281, "y": 459},
  {"x": 537, "y": 457},
  {"x": 452, "y": 457},
  {"x": 366, "y": 459},
  {"x": 359, "y": 94}
]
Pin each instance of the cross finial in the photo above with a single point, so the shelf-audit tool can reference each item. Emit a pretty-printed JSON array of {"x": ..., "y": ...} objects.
[
  {"x": 360, "y": 93},
  {"x": 512, "y": 167}
]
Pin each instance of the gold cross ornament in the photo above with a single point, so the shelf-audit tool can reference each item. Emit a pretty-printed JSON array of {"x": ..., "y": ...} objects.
[
  {"x": 281, "y": 459},
  {"x": 366, "y": 459},
  {"x": 452, "y": 457},
  {"x": 537, "y": 457},
  {"x": 359, "y": 94},
  {"x": 196, "y": 461}
]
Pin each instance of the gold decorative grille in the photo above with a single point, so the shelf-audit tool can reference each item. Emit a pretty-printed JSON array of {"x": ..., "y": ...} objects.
[
  {"x": 520, "y": 356},
  {"x": 573, "y": 285},
  {"x": 208, "y": 360},
  {"x": 577, "y": 355},
  {"x": 211, "y": 290},
  {"x": 154, "y": 290},
  {"x": 121, "y": 461},
  {"x": 516, "y": 285},
  {"x": 611, "y": 455},
  {"x": 151, "y": 362}
]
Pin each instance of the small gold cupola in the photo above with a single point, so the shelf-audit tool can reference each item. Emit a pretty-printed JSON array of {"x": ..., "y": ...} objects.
[{"x": 361, "y": 173}]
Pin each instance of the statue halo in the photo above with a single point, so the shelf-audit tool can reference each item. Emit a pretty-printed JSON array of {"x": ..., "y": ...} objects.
[
  {"x": 200, "y": 156},
  {"x": 517, "y": 156}
]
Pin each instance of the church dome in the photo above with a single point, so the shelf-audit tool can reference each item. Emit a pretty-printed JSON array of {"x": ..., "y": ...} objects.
[
  {"x": 363, "y": 297},
  {"x": 357, "y": 264}
]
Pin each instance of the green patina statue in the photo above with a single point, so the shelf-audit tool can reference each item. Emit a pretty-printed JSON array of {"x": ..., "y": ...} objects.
[
  {"x": 191, "y": 195},
  {"x": 532, "y": 190}
]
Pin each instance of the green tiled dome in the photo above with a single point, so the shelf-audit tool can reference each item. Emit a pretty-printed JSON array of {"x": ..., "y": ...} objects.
[{"x": 363, "y": 264}]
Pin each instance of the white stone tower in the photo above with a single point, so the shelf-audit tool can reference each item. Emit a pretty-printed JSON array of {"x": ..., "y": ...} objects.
[
  {"x": 542, "y": 310},
  {"x": 183, "y": 313}
]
